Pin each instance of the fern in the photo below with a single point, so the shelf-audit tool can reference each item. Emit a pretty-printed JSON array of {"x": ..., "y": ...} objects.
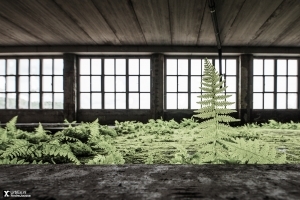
[{"x": 218, "y": 142}]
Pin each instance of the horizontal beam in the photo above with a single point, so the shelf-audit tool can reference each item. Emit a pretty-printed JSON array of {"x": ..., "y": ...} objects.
[{"x": 146, "y": 50}]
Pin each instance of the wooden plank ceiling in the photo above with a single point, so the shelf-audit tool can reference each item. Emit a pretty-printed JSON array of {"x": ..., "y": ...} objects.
[{"x": 149, "y": 22}]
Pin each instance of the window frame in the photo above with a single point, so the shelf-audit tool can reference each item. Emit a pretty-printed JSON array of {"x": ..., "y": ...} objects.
[
  {"x": 190, "y": 75},
  {"x": 17, "y": 81},
  {"x": 103, "y": 92},
  {"x": 275, "y": 58}
]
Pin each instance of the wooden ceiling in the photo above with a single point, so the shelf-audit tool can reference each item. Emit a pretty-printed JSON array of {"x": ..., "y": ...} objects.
[{"x": 260, "y": 23}]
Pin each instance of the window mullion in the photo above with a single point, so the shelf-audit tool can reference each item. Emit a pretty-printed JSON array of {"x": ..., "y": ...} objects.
[
  {"x": 275, "y": 84},
  {"x": 17, "y": 84}
]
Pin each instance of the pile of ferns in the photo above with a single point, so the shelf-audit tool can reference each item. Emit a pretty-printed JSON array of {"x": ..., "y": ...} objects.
[{"x": 66, "y": 146}]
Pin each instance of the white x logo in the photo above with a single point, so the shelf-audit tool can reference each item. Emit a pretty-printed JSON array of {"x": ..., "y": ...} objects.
[{"x": 6, "y": 193}]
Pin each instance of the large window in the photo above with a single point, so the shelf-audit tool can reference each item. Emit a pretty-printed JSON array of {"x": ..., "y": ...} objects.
[
  {"x": 184, "y": 76},
  {"x": 275, "y": 83},
  {"x": 31, "y": 83},
  {"x": 114, "y": 83}
]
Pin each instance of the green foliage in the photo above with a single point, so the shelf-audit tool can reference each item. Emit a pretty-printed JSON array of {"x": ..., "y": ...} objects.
[
  {"x": 189, "y": 123},
  {"x": 278, "y": 125},
  {"x": 219, "y": 143}
]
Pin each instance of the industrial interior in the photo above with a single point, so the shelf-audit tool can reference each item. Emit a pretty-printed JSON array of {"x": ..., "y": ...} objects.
[{"x": 139, "y": 60}]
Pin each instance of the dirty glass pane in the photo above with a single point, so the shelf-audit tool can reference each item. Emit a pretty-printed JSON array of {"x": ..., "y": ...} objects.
[
  {"x": 47, "y": 83},
  {"x": 34, "y": 84},
  {"x": 134, "y": 66},
  {"x": 182, "y": 66},
  {"x": 145, "y": 84},
  {"x": 11, "y": 101},
  {"x": 182, "y": 101},
  {"x": 96, "y": 101},
  {"x": 23, "y": 100},
  {"x": 268, "y": 101},
  {"x": 171, "y": 66},
  {"x": 269, "y": 67},
  {"x": 84, "y": 66},
  {"x": 120, "y": 67},
  {"x": 47, "y": 67},
  {"x": 133, "y": 83},
  {"x": 10, "y": 84},
  {"x": 34, "y": 66},
  {"x": 23, "y": 66},
  {"x": 58, "y": 66},
  {"x": 58, "y": 84},
  {"x": 96, "y": 83},
  {"x": 85, "y": 100},
  {"x": 109, "y": 101},
  {"x": 195, "y": 83},
  {"x": 120, "y": 83},
  {"x": 120, "y": 100},
  {"x": 182, "y": 84},
  {"x": 195, "y": 66},
  {"x": 34, "y": 101},
  {"x": 257, "y": 101},
  {"x": 47, "y": 100},
  {"x": 133, "y": 100},
  {"x": 258, "y": 67},
  {"x": 96, "y": 67},
  {"x": 144, "y": 100},
  {"x": 171, "y": 84},
  {"x": 171, "y": 101},
  {"x": 145, "y": 67},
  {"x": 281, "y": 67},
  {"x": 2, "y": 67},
  {"x": 109, "y": 83},
  {"x": 58, "y": 100},
  {"x": 281, "y": 101},
  {"x": 24, "y": 84},
  {"x": 85, "y": 84},
  {"x": 292, "y": 101}
]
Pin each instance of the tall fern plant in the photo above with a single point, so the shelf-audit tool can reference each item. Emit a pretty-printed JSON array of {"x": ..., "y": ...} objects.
[
  {"x": 214, "y": 111},
  {"x": 218, "y": 144}
]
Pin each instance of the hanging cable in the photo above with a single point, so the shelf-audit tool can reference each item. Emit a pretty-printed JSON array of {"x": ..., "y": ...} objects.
[{"x": 212, "y": 7}]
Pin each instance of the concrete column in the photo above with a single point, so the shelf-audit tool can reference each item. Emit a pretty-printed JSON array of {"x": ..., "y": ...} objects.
[
  {"x": 157, "y": 88},
  {"x": 246, "y": 87},
  {"x": 70, "y": 87}
]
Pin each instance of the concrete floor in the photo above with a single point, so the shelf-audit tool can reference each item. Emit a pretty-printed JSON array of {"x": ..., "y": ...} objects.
[{"x": 153, "y": 181}]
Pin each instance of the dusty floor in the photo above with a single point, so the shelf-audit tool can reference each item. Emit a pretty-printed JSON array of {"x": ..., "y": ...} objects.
[{"x": 153, "y": 181}]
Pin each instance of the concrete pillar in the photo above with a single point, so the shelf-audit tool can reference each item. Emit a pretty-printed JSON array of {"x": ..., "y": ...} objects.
[
  {"x": 246, "y": 87},
  {"x": 157, "y": 88},
  {"x": 70, "y": 87}
]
